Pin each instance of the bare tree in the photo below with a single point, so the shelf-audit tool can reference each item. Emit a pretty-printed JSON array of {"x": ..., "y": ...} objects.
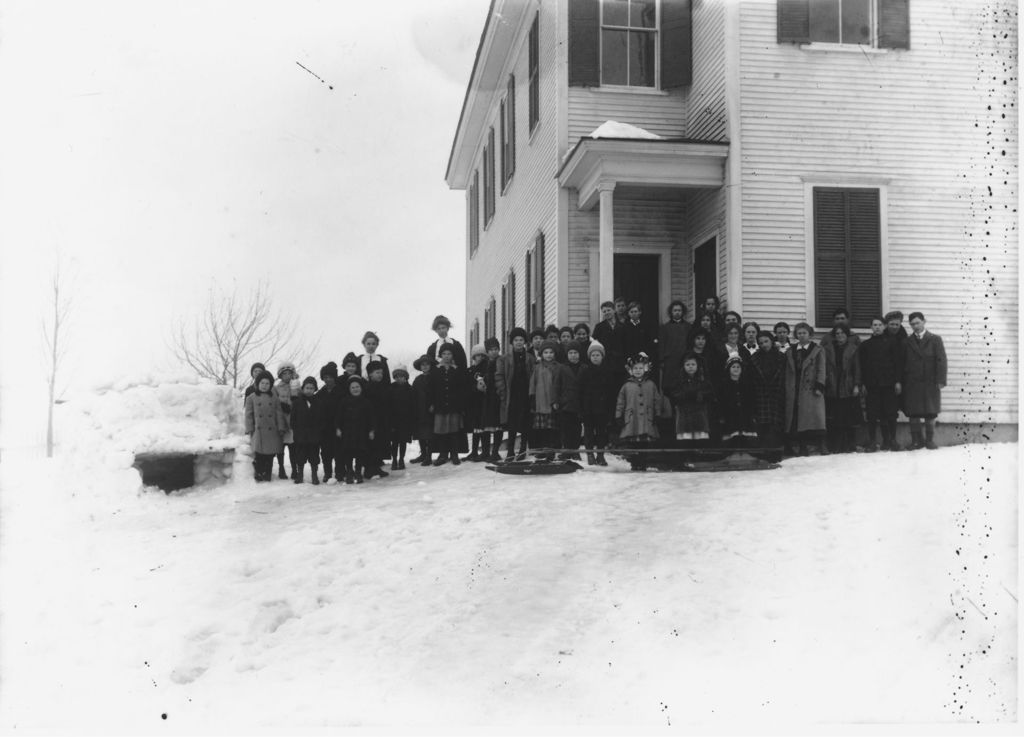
[
  {"x": 55, "y": 341},
  {"x": 235, "y": 329}
]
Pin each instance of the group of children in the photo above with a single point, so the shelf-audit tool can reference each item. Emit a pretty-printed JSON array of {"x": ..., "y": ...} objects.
[{"x": 721, "y": 381}]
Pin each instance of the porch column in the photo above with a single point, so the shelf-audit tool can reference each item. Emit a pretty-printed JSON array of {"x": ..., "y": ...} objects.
[{"x": 606, "y": 250}]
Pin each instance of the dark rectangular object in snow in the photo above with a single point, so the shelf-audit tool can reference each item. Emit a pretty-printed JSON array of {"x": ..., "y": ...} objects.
[{"x": 167, "y": 471}]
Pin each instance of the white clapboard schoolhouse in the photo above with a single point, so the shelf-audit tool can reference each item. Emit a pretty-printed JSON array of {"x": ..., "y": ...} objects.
[{"x": 790, "y": 156}]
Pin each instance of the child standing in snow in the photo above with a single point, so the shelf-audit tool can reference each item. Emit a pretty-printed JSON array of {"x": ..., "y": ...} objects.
[
  {"x": 254, "y": 372},
  {"x": 424, "y": 417},
  {"x": 326, "y": 407},
  {"x": 598, "y": 388},
  {"x": 265, "y": 424},
  {"x": 512, "y": 381},
  {"x": 736, "y": 404},
  {"x": 354, "y": 427},
  {"x": 403, "y": 416},
  {"x": 637, "y": 409},
  {"x": 475, "y": 395},
  {"x": 569, "y": 400},
  {"x": 693, "y": 394},
  {"x": 545, "y": 391},
  {"x": 285, "y": 391},
  {"x": 447, "y": 403},
  {"x": 379, "y": 394},
  {"x": 490, "y": 418},
  {"x": 306, "y": 431}
]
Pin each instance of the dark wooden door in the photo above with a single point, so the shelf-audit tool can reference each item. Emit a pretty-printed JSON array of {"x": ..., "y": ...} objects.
[
  {"x": 705, "y": 271},
  {"x": 637, "y": 279}
]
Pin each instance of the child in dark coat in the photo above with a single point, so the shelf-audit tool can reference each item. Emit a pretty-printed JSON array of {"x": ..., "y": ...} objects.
[
  {"x": 448, "y": 384},
  {"x": 355, "y": 429},
  {"x": 736, "y": 404},
  {"x": 265, "y": 424},
  {"x": 490, "y": 419},
  {"x": 545, "y": 395},
  {"x": 403, "y": 416},
  {"x": 379, "y": 393},
  {"x": 306, "y": 431},
  {"x": 569, "y": 411},
  {"x": 693, "y": 394},
  {"x": 424, "y": 416},
  {"x": 475, "y": 395},
  {"x": 326, "y": 408},
  {"x": 598, "y": 387},
  {"x": 512, "y": 381}
]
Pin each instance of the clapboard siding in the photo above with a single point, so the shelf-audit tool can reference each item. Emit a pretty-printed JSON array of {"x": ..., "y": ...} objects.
[
  {"x": 918, "y": 124},
  {"x": 528, "y": 206},
  {"x": 706, "y": 96},
  {"x": 584, "y": 234},
  {"x": 663, "y": 113}
]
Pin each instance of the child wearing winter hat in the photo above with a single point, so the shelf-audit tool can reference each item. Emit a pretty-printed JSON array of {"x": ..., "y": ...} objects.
[
  {"x": 424, "y": 416},
  {"x": 350, "y": 365},
  {"x": 448, "y": 384},
  {"x": 475, "y": 394},
  {"x": 569, "y": 401},
  {"x": 512, "y": 384},
  {"x": 256, "y": 369},
  {"x": 545, "y": 395},
  {"x": 286, "y": 388},
  {"x": 598, "y": 388},
  {"x": 693, "y": 394},
  {"x": 265, "y": 424},
  {"x": 355, "y": 428},
  {"x": 637, "y": 409},
  {"x": 536, "y": 338},
  {"x": 402, "y": 415},
  {"x": 379, "y": 394},
  {"x": 326, "y": 407},
  {"x": 490, "y": 417},
  {"x": 306, "y": 431}
]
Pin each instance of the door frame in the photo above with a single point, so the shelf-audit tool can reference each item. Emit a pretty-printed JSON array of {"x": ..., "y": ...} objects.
[
  {"x": 664, "y": 278},
  {"x": 700, "y": 240}
]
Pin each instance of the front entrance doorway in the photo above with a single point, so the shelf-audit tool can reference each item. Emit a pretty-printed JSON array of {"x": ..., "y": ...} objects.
[{"x": 637, "y": 279}]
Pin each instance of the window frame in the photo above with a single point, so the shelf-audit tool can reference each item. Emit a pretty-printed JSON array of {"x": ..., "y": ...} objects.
[
  {"x": 601, "y": 27},
  {"x": 535, "y": 285},
  {"x": 853, "y": 182},
  {"x": 533, "y": 74},
  {"x": 474, "y": 213}
]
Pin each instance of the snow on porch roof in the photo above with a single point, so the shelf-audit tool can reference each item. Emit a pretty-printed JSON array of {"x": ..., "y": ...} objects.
[{"x": 641, "y": 158}]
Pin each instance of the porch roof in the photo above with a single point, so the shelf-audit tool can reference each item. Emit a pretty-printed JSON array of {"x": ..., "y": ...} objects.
[{"x": 644, "y": 162}]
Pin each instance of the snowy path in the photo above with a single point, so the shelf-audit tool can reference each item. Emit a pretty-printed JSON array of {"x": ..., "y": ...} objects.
[{"x": 457, "y": 596}]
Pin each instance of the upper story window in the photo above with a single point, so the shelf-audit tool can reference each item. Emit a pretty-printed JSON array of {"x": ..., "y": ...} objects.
[
  {"x": 642, "y": 44},
  {"x": 473, "y": 197},
  {"x": 847, "y": 254},
  {"x": 534, "y": 71},
  {"x": 881, "y": 23},
  {"x": 629, "y": 43},
  {"x": 507, "y": 115},
  {"x": 489, "y": 179}
]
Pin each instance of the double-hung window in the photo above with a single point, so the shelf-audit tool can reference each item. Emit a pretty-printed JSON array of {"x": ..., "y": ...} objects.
[
  {"x": 534, "y": 60},
  {"x": 489, "y": 179},
  {"x": 877, "y": 23},
  {"x": 473, "y": 197},
  {"x": 629, "y": 43},
  {"x": 535, "y": 284}
]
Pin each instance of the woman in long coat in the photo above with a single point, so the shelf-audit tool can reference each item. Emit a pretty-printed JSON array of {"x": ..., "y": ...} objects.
[
  {"x": 842, "y": 390},
  {"x": 512, "y": 379},
  {"x": 767, "y": 375},
  {"x": 924, "y": 376},
  {"x": 806, "y": 374},
  {"x": 672, "y": 344}
]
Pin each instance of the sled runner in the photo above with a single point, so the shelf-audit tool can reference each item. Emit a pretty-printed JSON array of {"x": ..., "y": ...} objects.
[{"x": 668, "y": 459}]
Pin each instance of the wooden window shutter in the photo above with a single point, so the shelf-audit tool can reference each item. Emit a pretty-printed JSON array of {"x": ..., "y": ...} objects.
[
  {"x": 584, "y": 43},
  {"x": 676, "y": 44},
  {"x": 511, "y": 111},
  {"x": 511, "y": 302},
  {"x": 502, "y": 123},
  {"x": 538, "y": 259},
  {"x": 847, "y": 254},
  {"x": 894, "y": 24},
  {"x": 528, "y": 271},
  {"x": 504, "y": 311},
  {"x": 794, "y": 22}
]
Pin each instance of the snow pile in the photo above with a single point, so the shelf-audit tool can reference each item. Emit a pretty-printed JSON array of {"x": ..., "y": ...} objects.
[
  {"x": 846, "y": 589},
  {"x": 614, "y": 129},
  {"x": 103, "y": 431}
]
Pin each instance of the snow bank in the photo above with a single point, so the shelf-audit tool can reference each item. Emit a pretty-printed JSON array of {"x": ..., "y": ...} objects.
[
  {"x": 103, "y": 431},
  {"x": 614, "y": 129}
]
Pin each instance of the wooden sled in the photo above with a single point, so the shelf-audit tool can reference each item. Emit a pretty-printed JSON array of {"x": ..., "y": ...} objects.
[
  {"x": 534, "y": 468},
  {"x": 666, "y": 459}
]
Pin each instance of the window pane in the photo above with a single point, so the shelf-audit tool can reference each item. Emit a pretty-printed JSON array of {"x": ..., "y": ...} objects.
[
  {"x": 856, "y": 21},
  {"x": 616, "y": 13},
  {"x": 824, "y": 17},
  {"x": 641, "y": 59},
  {"x": 643, "y": 13},
  {"x": 613, "y": 57}
]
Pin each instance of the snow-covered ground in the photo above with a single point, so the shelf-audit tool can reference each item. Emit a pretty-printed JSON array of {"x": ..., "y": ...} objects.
[{"x": 834, "y": 590}]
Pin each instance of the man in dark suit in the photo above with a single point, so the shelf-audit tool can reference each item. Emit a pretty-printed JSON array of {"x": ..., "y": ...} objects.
[{"x": 924, "y": 377}]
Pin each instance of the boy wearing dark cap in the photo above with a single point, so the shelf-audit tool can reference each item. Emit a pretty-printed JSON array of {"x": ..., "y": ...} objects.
[{"x": 306, "y": 431}]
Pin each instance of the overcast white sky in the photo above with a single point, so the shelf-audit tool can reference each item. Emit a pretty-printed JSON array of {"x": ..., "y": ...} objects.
[{"x": 161, "y": 146}]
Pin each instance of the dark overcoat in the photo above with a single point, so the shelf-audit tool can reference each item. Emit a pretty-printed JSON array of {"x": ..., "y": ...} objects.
[
  {"x": 424, "y": 417},
  {"x": 841, "y": 376},
  {"x": 672, "y": 346},
  {"x": 325, "y": 408},
  {"x": 611, "y": 338},
  {"x": 355, "y": 419},
  {"x": 881, "y": 361},
  {"x": 569, "y": 393},
  {"x": 403, "y": 412},
  {"x": 802, "y": 404},
  {"x": 736, "y": 405},
  {"x": 304, "y": 419},
  {"x": 767, "y": 374},
  {"x": 924, "y": 369},
  {"x": 476, "y": 396},
  {"x": 448, "y": 389},
  {"x": 598, "y": 387},
  {"x": 693, "y": 397},
  {"x": 503, "y": 375},
  {"x": 265, "y": 421}
]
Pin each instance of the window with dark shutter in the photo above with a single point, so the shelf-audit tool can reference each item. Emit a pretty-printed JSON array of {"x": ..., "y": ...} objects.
[
  {"x": 504, "y": 311},
  {"x": 534, "y": 54},
  {"x": 584, "y": 43},
  {"x": 511, "y": 302},
  {"x": 676, "y": 44},
  {"x": 510, "y": 144},
  {"x": 489, "y": 179},
  {"x": 629, "y": 40},
  {"x": 474, "y": 213},
  {"x": 847, "y": 254},
  {"x": 538, "y": 281},
  {"x": 504, "y": 144},
  {"x": 883, "y": 23},
  {"x": 528, "y": 290},
  {"x": 489, "y": 319}
]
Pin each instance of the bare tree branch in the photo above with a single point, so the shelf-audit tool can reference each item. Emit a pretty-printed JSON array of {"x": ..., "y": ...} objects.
[
  {"x": 55, "y": 341},
  {"x": 234, "y": 330}
]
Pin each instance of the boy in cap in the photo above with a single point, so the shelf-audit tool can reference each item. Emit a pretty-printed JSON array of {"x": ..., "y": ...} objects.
[
  {"x": 326, "y": 407},
  {"x": 306, "y": 431},
  {"x": 424, "y": 417},
  {"x": 403, "y": 416}
]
